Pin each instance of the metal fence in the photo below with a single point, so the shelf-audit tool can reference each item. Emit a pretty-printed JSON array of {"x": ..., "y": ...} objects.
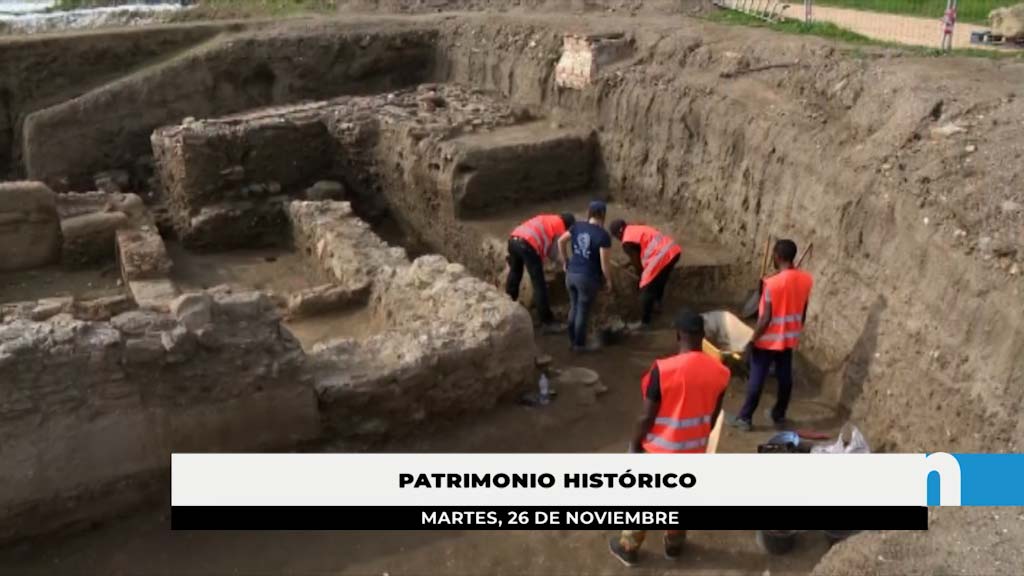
[{"x": 943, "y": 24}]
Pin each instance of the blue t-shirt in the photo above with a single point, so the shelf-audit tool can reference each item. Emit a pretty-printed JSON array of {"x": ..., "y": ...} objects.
[{"x": 587, "y": 241}]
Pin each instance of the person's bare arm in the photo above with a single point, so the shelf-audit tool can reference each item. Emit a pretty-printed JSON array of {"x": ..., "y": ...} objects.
[
  {"x": 716, "y": 426},
  {"x": 563, "y": 248},
  {"x": 762, "y": 321},
  {"x": 606, "y": 267},
  {"x": 633, "y": 251},
  {"x": 644, "y": 424}
]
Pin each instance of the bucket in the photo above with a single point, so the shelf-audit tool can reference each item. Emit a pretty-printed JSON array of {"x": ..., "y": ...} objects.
[{"x": 726, "y": 336}]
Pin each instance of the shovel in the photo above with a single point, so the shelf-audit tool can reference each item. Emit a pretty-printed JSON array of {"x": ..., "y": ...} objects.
[{"x": 754, "y": 299}]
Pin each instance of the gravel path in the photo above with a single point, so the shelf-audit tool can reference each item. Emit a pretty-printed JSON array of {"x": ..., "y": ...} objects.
[{"x": 892, "y": 27}]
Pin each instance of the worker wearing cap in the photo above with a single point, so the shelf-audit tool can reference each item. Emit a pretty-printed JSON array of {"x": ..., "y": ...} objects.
[
  {"x": 683, "y": 397},
  {"x": 782, "y": 313},
  {"x": 654, "y": 255},
  {"x": 529, "y": 245},
  {"x": 585, "y": 251}
]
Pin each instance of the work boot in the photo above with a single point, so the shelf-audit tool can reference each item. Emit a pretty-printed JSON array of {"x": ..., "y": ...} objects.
[
  {"x": 674, "y": 550},
  {"x": 628, "y": 557},
  {"x": 783, "y": 425},
  {"x": 739, "y": 423},
  {"x": 780, "y": 425}
]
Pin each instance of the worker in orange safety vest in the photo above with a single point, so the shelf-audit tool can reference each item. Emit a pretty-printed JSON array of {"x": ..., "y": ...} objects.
[
  {"x": 782, "y": 314},
  {"x": 683, "y": 397},
  {"x": 654, "y": 255},
  {"x": 529, "y": 245}
]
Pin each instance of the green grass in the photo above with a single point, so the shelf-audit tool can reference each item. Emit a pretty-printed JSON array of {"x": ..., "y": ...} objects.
[
  {"x": 232, "y": 7},
  {"x": 973, "y": 11},
  {"x": 839, "y": 34},
  {"x": 270, "y": 7},
  {"x": 821, "y": 29}
]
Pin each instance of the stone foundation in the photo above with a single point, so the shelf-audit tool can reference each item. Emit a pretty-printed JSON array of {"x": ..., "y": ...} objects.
[
  {"x": 448, "y": 343},
  {"x": 86, "y": 406}
]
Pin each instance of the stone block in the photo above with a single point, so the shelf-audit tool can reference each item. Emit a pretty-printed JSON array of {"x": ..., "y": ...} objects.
[
  {"x": 30, "y": 234},
  {"x": 102, "y": 309},
  {"x": 194, "y": 311},
  {"x": 153, "y": 294},
  {"x": 50, "y": 307},
  {"x": 326, "y": 190},
  {"x": 584, "y": 57},
  {"x": 89, "y": 238},
  {"x": 137, "y": 322},
  {"x": 242, "y": 304},
  {"x": 142, "y": 254},
  {"x": 324, "y": 299}
]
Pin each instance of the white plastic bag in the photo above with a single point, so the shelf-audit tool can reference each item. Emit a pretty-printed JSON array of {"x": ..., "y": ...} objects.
[{"x": 850, "y": 441}]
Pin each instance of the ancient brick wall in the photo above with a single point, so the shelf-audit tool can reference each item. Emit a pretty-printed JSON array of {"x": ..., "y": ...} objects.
[{"x": 88, "y": 407}]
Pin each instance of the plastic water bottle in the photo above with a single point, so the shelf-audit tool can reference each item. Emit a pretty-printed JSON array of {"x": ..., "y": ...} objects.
[{"x": 545, "y": 390}]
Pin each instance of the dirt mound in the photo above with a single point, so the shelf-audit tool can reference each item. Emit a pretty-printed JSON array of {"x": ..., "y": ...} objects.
[{"x": 1008, "y": 21}]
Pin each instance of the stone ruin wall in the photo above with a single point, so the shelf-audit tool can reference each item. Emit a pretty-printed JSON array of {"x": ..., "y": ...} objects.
[
  {"x": 88, "y": 407},
  {"x": 447, "y": 344}
]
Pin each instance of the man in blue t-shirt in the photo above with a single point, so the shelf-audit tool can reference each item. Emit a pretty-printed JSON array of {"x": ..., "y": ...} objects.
[{"x": 586, "y": 269}]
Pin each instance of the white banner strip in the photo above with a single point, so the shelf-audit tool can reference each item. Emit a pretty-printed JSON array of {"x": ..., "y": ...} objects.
[{"x": 429, "y": 479}]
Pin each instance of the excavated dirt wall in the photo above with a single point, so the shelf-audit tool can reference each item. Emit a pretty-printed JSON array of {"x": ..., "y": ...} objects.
[
  {"x": 903, "y": 175},
  {"x": 75, "y": 64},
  {"x": 827, "y": 149},
  {"x": 110, "y": 127}
]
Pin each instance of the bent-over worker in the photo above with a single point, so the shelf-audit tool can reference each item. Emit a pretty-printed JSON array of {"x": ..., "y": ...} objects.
[
  {"x": 683, "y": 397},
  {"x": 530, "y": 244},
  {"x": 654, "y": 255},
  {"x": 586, "y": 269},
  {"x": 782, "y": 313}
]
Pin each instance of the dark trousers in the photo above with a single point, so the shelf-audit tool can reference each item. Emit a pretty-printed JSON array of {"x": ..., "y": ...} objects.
[
  {"x": 760, "y": 363},
  {"x": 654, "y": 292},
  {"x": 582, "y": 293},
  {"x": 522, "y": 255}
]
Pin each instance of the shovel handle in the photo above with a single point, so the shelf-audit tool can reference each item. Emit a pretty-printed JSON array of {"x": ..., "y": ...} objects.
[
  {"x": 767, "y": 252},
  {"x": 808, "y": 252}
]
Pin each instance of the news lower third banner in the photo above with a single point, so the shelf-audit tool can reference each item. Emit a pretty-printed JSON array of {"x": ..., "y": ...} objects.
[{"x": 582, "y": 491}]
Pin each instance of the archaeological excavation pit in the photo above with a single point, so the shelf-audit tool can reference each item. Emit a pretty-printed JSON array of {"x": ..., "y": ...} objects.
[{"x": 292, "y": 236}]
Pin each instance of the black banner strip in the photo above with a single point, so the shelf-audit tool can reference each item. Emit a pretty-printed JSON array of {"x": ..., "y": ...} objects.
[{"x": 548, "y": 518}]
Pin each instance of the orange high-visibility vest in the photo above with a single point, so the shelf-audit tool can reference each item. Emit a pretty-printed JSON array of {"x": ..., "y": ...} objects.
[
  {"x": 691, "y": 384},
  {"x": 541, "y": 232},
  {"x": 788, "y": 292},
  {"x": 656, "y": 250}
]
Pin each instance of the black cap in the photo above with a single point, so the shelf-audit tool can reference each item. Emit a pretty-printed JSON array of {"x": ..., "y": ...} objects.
[
  {"x": 617, "y": 227},
  {"x": 689, "y": 322},
  {"x": 568, "y": 219}
]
